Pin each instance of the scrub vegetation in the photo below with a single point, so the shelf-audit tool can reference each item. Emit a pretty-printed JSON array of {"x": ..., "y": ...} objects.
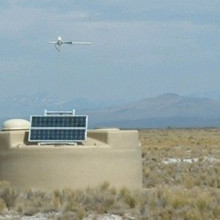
[
  {"x": 181, "y": 157},
  {"x": 181, "y": 178}
]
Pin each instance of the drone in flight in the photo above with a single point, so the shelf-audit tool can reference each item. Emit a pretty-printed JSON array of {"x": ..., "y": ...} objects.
[{"x": 59, "y": 42}]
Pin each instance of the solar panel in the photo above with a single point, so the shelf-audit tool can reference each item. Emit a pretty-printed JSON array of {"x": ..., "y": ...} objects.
[
  {"x": 58, "y": 129},
  {"x": 58, "y": 135},
  {"x": 58, "y": 121}
]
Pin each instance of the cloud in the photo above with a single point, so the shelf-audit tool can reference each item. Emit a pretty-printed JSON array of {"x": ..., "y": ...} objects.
[{"x": 198, "y": 10}]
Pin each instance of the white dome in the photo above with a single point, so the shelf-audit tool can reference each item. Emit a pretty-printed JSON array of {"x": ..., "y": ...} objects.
[{"x": 16, "y": 124}]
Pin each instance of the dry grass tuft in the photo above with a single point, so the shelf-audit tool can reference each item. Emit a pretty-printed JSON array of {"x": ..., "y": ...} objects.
[{"x": 8, "y": 194}]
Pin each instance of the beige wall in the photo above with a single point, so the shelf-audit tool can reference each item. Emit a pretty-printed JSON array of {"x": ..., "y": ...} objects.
[
  {"x": 12, "y": 139},
  {"x": 116, "y": 138},
  {"x": 109, "y": 155}
]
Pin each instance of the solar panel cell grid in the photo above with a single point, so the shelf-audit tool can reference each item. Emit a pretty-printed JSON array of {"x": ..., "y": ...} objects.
[
  {"x": 59, "y": 121},
  {"x": 58, "y": 134},
  {"x": 58, "y": 128}
]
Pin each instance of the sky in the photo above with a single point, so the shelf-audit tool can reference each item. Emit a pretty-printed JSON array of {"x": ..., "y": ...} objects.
[{"x": 140, "y": 48}]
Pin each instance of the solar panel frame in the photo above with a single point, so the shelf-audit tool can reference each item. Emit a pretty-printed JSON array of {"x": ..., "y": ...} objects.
[{"x": 48, "y": 128}]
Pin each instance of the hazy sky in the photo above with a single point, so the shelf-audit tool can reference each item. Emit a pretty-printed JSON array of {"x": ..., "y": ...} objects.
[{"x": 140, "y": 49}]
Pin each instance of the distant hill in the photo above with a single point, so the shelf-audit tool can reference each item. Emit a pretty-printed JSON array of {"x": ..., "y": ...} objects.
[{"x": 168, "y": 110}]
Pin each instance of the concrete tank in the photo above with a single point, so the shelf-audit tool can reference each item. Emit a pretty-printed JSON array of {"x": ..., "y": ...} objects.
[{"x": 110, "y": 155}]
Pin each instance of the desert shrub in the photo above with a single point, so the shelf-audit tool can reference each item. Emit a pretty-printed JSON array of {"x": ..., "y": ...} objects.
[
  {"x": 127, "y": 197},
  {"x": 99, "y": 199},
  {"x": 193, "y": 214},
  {"x": 30, "y": 202},
  {"x": 8, "y": 194},
  {"x": 3, "y": 206}
]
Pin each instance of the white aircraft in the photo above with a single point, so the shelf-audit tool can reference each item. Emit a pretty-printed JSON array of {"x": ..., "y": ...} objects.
[{"x": 59, "y": 42}]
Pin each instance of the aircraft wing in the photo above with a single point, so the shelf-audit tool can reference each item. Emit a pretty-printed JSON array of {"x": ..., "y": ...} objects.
[
  {"x": 77, "y": 43},
  {"x": 52, "y": 42}
]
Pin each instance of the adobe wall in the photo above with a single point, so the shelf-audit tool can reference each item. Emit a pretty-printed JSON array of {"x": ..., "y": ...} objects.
[{"x": 108, "y": 155}]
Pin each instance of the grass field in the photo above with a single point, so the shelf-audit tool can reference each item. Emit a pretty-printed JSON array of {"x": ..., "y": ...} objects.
[
  {"x": 181, "y": 178},
  {"x": 183, "y": 157}
]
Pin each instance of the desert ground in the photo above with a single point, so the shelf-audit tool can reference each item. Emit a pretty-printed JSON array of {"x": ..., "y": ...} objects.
[{"x": 181, "y": 179}]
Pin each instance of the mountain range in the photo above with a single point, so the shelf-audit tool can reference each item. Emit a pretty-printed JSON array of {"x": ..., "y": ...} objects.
[{"x": 167, "y": 110}]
